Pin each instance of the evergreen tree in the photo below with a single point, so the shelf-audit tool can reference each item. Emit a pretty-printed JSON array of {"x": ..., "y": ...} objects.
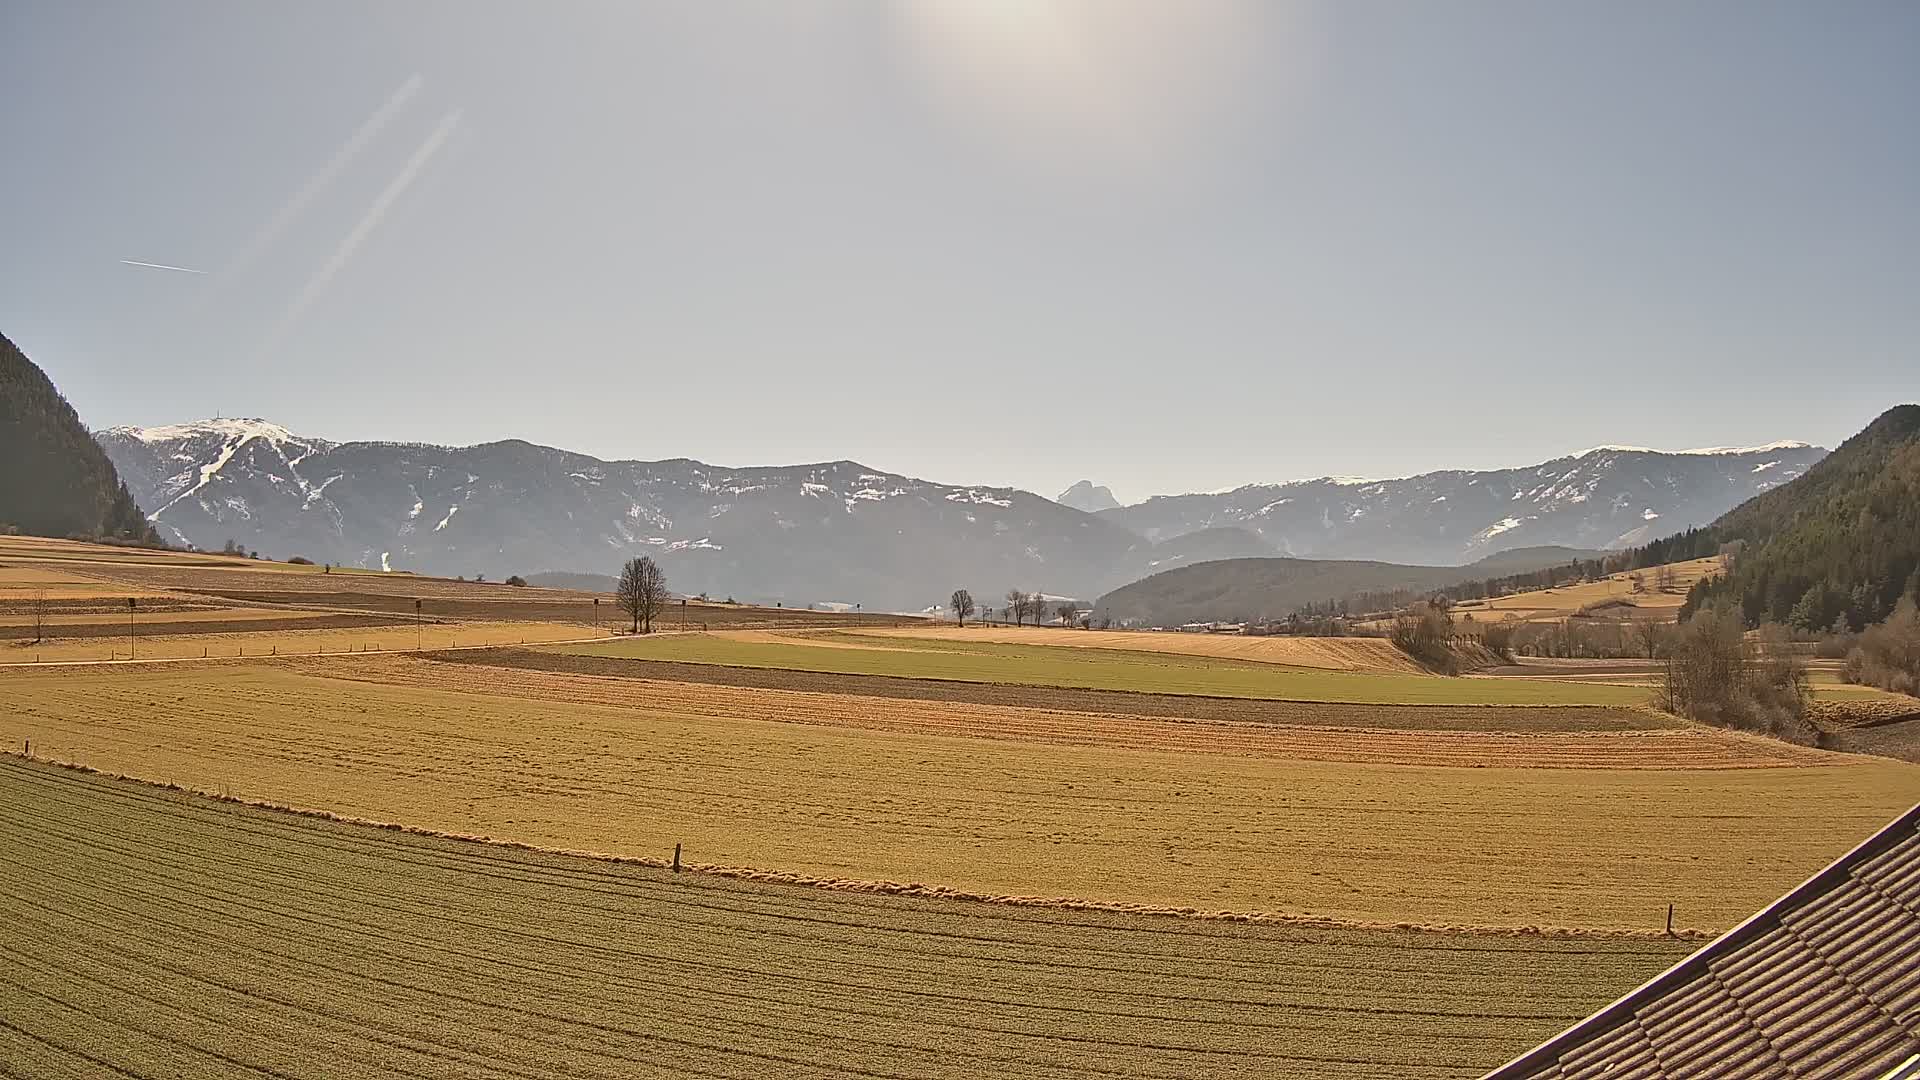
[{"x": 54, "y": 479}]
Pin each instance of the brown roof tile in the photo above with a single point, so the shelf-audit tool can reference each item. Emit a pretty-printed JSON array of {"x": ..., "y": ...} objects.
[{"x": 1823, "y": 983}]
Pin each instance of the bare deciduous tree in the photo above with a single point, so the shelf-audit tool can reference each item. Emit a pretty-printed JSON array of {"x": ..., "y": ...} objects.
[
  {"x": 1067, "y": 612},
  {"x": 962, "y": 604},
  {"x": 1664, "y": 577},
  {"x": 642, "y": 592},
  {"x": 1715, "y": 675},
  {"x": 38, "y": 604},
  {"x": 1648, "y": 635},
  {"x": 1017, "y": 606}
]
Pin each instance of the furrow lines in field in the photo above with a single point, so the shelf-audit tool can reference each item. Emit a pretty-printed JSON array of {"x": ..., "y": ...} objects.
[
  {"x": 425, "y": 952},
  {"x": 1184, "y": 992},
  {"x": 967, "y": 1004},
  {"x": 616, "y": 880}
]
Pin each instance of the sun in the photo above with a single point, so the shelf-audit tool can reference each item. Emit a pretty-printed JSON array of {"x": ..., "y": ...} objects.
[{"x": 1098, "y": 82}]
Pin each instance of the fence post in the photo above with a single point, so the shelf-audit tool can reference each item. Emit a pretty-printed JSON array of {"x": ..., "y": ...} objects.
[
  {"x": 676, "y": 858},
  {"x": 1669, "y": 920}
]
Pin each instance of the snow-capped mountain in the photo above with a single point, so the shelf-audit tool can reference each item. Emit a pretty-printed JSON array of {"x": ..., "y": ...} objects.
[
  {"x": 1606, "y": 497},
  {"x": 845, "y": 532},
  {"x": 836, "y": 531}
]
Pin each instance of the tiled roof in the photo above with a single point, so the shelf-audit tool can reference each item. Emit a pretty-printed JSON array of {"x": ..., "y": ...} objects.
[{"x": 1823, "y": 983}]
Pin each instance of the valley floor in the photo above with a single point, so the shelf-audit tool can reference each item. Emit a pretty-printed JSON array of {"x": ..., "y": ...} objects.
[{"x": 154, "y": 933}]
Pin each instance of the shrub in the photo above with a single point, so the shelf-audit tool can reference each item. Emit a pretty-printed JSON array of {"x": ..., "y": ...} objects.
[
  {"x": 1716, "y": 675},
  {"x": 517, "y": 581},
  {"x": 300, "y": 560},
  {"x": 1425, "y": 633},
  {"x": 1888, "y": 653},
  {"x": 1499, "y": 638}
]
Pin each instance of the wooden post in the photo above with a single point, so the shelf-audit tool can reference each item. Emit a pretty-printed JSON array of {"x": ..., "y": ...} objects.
[
  {"x": 1669, "y": 920},
  {"x": 28, "y": 753},
  {"x": 676, "y": 858}
]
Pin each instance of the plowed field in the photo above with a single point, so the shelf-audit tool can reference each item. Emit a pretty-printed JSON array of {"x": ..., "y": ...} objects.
[{"x": 157, "y": 934}]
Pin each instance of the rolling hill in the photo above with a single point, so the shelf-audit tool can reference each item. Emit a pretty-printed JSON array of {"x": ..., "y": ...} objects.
[{"x": 1238, "y": 590}]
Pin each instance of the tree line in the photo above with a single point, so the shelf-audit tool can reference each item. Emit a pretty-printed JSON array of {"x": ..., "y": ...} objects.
[{"x": 1021, "y": 607}]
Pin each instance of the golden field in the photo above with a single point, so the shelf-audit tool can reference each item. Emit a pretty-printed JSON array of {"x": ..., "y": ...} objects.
[
  {"x": 156, "y": 933},
  {"x": 1156, "y": 820},
  {"x": 1337, "y": 654},
  {"x": 1567, "y": 600},
  {"x": 911, "y": 850}
]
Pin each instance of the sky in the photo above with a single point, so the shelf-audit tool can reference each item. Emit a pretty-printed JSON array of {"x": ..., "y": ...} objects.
[{"x": 1169, "y": 247}]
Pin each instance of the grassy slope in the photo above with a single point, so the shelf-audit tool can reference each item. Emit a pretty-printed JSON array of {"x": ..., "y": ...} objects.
[
  {"x": 1109, "y": 670},
  {"x": 1364, "y": 842},
  {"x": 165, "y": 934}
]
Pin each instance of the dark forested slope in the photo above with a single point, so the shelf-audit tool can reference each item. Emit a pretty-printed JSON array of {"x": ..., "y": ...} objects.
[
  {"x": 54, "y": 479},
  {"x": 1841, "y": 542}
]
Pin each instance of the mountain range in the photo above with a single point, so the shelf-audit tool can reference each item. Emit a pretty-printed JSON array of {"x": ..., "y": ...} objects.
[
  {"x": 1606, "y": 497},
  {"x": 847, "y": 532}
]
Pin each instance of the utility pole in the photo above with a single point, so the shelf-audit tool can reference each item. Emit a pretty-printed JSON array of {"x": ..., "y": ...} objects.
[
  {"x": 129, "y": 627},
  {"x": 419, "y": 634}
]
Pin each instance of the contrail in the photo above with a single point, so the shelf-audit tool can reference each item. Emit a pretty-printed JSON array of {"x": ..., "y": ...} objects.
[
  {"x": 162, "y": 266},
  {"x": 381, "y": 204},
  {"x": 341, "y": 158}
]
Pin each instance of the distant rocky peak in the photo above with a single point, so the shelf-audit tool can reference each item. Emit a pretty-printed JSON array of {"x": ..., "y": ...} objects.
[{"x": 1088, "y": 497}]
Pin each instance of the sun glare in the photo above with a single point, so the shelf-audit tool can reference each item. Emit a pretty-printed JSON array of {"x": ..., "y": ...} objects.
[{"x": 1116, "y": 83}]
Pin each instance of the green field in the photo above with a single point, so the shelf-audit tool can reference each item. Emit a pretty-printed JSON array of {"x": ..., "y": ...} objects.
[
  {"x": 152, "y": 933},
  {"x": 1103, "y": 669}
]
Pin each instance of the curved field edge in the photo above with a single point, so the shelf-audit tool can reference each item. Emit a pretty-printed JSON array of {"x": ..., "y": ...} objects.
[
  {"x": 156, "y": 932},
  {"x": 1045, "y": 668},
  {"x": 1517, "y": 718},
  {"x": 1573, "y": 740},
  {"x": 918, "y": 890},
  {"x": 1491, "y": 846}
]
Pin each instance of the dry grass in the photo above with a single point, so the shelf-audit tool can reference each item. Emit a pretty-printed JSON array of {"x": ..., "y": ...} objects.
[
  {"x": 279, "y": 640},
  {"x": 1518, "y": 719},
  {"x": 1336, "y": 654},
  {"x": 1044, "y": 667},
  {"x": 1550, "y": 605},
  {"x": 120, "y": 572},
  {"x": 1370, "y": 843},
  {"x": 154, "y": 933},
  {"x": 1549, "y": 745}
]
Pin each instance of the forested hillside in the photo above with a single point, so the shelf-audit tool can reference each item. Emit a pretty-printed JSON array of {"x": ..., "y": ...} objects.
[
  {"x": 54, "y": 479},
  {"x": 1246, "y": 589},
  {"x": 1840, "y": 543}
]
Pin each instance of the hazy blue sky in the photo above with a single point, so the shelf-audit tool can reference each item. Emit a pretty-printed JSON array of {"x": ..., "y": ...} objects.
[{"x": 1168, "y": 246}]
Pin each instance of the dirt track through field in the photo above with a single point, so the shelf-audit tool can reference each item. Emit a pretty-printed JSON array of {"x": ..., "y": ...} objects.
[
  {"x": 1119, "y": 702},
  {"x": 153, "y": 933}
]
